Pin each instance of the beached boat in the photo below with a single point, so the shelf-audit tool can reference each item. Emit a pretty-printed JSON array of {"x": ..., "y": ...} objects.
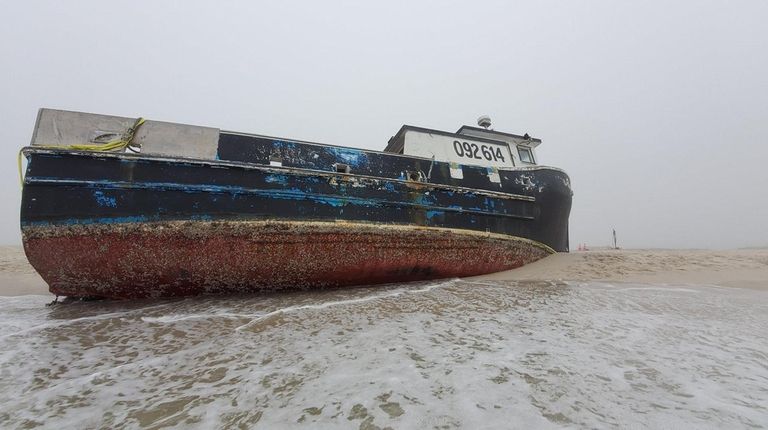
[{"x": 119, "y": 207}]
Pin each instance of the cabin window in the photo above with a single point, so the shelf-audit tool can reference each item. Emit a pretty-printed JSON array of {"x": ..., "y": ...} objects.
[
  {"x": 341, "y": 168},
  {"x": 526, "y": 156}
]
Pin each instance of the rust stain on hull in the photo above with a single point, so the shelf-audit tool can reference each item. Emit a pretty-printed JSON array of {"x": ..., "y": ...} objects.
[{"x": 184, "y": 258}]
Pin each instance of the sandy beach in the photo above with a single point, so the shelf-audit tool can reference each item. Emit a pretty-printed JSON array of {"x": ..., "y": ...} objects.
[
  {"x": 596, "y": 339},
  {"x": 742, "y": 268},
  {"x": 17, "y": 276}
]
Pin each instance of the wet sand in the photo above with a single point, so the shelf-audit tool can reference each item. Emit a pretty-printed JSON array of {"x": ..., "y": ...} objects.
[
  {"x": 743, "y": 268},
  {"x": 629, "y": 339}
]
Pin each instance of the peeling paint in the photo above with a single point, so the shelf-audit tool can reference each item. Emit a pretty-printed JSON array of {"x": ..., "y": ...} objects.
[{"x": 104, "y": 200}]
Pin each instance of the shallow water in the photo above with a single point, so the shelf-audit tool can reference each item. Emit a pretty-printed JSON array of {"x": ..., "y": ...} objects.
[{"x": 449, "y": 354}]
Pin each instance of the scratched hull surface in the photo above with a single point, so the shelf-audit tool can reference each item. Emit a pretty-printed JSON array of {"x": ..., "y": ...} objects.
[{"x": 190, "y": 258}]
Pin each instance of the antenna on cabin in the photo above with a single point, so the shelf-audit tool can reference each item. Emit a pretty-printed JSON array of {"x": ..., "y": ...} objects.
[{"x": 484, "y": 121}]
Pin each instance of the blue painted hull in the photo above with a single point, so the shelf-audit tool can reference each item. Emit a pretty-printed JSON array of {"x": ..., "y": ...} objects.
[{"x": 65, "y": 188}]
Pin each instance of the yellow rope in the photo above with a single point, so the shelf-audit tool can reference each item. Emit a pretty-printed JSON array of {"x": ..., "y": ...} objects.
[
  {"x": 113, "y": 145},
  {"x": 21, "y": 175}
]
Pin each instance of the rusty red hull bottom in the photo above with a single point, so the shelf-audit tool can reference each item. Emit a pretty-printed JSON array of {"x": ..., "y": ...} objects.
[{"x": 185, "y": 258}]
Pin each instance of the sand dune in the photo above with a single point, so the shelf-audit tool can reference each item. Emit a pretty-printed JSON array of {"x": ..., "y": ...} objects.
[{"x": 747, "y": 268}]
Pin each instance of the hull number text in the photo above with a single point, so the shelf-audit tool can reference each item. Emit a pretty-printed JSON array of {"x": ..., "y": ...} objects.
[{"x": 478, "y": 152}]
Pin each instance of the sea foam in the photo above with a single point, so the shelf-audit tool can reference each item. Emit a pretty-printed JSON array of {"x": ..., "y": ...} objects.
[{"x": 450, "y": 354}]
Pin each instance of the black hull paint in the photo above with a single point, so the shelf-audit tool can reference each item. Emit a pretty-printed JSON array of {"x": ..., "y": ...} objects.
[{"x": 65, "y": 188}]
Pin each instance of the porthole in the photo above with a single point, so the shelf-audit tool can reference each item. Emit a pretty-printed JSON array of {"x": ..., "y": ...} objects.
[{"x": 341, "y": 168}]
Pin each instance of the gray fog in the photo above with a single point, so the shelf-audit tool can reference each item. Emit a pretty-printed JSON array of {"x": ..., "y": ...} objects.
[{"x": 658, "y": 111}]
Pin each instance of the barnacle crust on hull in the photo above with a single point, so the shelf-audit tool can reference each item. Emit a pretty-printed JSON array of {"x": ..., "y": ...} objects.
[{"x": 181, "y": 258}]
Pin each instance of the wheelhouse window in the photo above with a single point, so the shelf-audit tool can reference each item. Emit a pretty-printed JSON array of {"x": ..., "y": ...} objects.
[{"x": 526, "y": 156}]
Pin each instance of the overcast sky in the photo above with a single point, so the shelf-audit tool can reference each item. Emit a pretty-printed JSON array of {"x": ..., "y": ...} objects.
[{"x": 657, "y": 110}]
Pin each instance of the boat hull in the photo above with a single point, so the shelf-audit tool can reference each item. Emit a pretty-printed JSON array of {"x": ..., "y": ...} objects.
[
  {"x": 125, "y": 226},
  {"x": 184, "y": 258}
]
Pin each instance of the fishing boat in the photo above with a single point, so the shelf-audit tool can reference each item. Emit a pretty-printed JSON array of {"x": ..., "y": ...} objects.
[{"x": 117, "y": 207}]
